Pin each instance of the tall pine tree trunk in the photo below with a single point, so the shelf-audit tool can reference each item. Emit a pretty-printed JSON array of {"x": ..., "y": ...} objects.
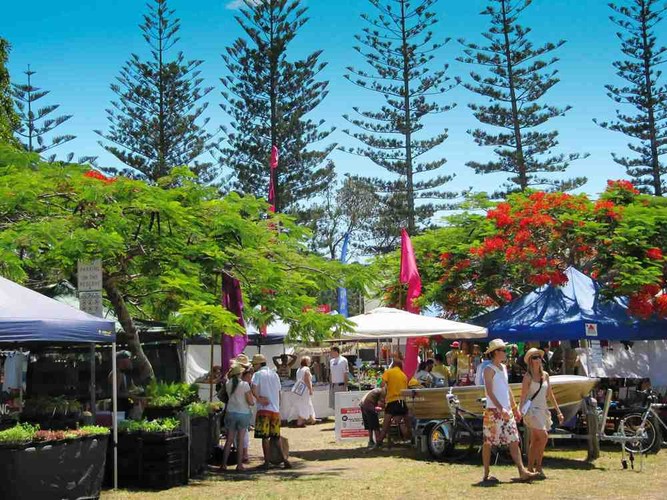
[
  {"x": 162, "y": 153},
  {"x": 408, "y": 125},
  {"x": 520, "y": 161},
  {"x": 650, "y": 104},
  {"x": 273, "y": 97}
]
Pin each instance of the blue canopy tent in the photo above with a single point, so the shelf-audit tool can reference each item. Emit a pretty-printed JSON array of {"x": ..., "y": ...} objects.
[
  {"x": 28, "y": 317},
  {"x": 566, "y": 313}
]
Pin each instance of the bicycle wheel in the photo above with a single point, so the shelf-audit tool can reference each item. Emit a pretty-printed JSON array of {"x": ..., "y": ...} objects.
[
  {"x": 647, "y": 438},
  {"x": 463, "y": 442}
]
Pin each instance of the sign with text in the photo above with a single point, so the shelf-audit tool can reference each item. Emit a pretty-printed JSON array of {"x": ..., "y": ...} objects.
[
  {"x": 89, "y": 276},
  {"x": 349, "y": 423},
  {"x": 91, "y": 302}
]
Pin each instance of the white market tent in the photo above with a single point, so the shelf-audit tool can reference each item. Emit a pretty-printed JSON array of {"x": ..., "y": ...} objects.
[
  {"x": 643, "y": 359},
  {"x": 389, "y": 323}
]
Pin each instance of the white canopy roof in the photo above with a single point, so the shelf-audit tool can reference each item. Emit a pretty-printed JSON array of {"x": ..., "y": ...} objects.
[{"x": 385, "y": 323}]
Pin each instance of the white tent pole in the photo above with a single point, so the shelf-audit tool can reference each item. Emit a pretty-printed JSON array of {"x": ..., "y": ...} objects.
[{"x": 114, "y": 414}]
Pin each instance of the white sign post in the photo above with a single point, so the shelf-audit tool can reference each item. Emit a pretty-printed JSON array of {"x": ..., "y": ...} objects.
[
  {"x": 349, "y": 423},
  {"x": 89, "y": 283},
  {"x": 91, "y": 302},
  {"x": 89, "y": 276}
]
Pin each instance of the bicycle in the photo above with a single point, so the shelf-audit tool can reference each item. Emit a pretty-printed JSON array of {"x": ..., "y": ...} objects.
[
  {"x": 645, "y": 426},
  {"x": 456, "y": 437}
]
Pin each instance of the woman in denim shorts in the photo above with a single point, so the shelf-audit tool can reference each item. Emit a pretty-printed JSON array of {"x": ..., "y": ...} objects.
[{"x": 238, "y": 412}]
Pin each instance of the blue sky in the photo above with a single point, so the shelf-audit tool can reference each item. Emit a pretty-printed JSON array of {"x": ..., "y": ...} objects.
[{"x": 78, "y": 48}]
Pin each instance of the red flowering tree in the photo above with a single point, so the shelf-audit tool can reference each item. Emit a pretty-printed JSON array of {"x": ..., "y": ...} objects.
[{"x": 482, "y": 262}]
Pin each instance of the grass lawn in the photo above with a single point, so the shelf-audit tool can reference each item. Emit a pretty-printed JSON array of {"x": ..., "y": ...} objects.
[{"x": 326, "y": 469}]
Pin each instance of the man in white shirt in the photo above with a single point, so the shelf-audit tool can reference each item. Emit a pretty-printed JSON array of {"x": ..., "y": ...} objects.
[
  {"x": 266, "y": 389},
  {"x": 339, "y": 371},
  {"x": 501, "y": 413}
]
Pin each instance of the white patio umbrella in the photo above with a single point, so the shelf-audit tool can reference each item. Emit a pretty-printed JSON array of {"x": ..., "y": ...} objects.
[{"x": 387, "y": 323}]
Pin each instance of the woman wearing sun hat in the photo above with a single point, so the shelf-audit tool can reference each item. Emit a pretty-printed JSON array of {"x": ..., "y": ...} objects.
[
  {"x": 238, "y": 412},
  {"x": 534, "y": 391},
  {"x": 501, "y": 411}
]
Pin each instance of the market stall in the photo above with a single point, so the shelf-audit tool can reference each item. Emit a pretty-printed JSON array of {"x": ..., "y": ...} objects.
[
  {"x": 385, "y": 323},
  {"x": 596, "y": 336},
  {"x": 75, "y": 462}
]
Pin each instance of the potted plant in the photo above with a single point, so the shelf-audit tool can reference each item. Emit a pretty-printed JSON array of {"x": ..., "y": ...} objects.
[
  {"x": 49, "y": 464},
  {"x": 168, "y": 399}
]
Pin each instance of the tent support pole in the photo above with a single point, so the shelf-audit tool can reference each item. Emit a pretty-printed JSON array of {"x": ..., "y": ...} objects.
[
  {"x": 210, "y": 386},
  {"x": 21, "y": 383},
  {"x": 93, "y": 408},
  {"x": 114, "y": 418}
]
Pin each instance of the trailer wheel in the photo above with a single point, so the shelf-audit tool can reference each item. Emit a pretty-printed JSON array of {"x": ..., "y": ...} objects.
[{"x": 440, "y": 440}]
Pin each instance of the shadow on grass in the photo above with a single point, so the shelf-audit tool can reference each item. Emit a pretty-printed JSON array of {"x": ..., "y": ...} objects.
[
  {"x": 504, "y": 459},
  {"x": 400, "y": 451},
  {"x": 299, "y": 470}
]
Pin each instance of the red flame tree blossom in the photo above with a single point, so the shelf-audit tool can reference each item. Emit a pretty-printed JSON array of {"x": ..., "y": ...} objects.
[{"x": 482, "y": 262}]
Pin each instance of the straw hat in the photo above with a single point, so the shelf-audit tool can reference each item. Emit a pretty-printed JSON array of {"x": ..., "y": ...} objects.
[
  {"x": 494, "y": 345},
  {"x": 413, "y": 382},
  {"x": 532, "y": 352},
  {"x": 258, "y": 359},
  {"x": 236, "y": 369},
  {"x": 243, "y": 360}
]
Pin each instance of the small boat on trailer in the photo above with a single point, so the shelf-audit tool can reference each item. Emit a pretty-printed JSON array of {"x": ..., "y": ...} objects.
[{"x": 431, "y": 404}]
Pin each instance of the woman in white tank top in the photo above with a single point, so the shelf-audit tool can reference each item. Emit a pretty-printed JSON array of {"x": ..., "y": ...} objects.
[{"x": 535, "y": 408}]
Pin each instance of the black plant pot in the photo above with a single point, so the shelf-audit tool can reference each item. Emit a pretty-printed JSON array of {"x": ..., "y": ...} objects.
[
  {"x": 200, "y": 448},
  {"x": 71, "y": 469},
  {"x": 154, "y": 461}
]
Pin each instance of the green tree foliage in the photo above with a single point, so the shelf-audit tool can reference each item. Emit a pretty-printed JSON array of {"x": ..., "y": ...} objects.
[
  {"x": 164, "y": 248},
  {"x": 268, "y": 96},
  {"x": 398, "y": 44},
  {"x": 156, "y": 124},
  {"x": 643, "y": 90},
  {"x": 516, "y": 77},
  {"x": 8, "y": 119},
  {"x": 37, "y": 121}
]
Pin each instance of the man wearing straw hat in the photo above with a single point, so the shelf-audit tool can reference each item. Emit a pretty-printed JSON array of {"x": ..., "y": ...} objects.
[
  {"x": 501, "y": 410},
  {"x": 266, "y": 389}
]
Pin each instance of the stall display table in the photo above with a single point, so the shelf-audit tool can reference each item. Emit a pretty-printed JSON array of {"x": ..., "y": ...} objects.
[{"x": 320, "y": 403}]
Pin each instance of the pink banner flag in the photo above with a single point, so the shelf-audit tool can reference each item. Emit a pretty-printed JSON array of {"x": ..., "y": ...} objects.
[
  {"x": 272, "y": 178},
  {"x": 232, "y": 300},
  {"x": 410, "y": 275}
]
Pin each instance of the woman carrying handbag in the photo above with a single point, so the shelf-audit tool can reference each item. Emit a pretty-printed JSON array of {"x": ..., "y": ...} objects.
[{"x": 534, "y": 408}]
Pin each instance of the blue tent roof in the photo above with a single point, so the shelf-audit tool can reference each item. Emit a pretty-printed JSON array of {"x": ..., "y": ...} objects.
[
  {"x": 28, "y": 316},
  {"x": 563, "y": 313}
]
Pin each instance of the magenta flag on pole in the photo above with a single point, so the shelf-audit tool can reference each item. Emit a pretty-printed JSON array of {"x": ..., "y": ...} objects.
[
  {"x": 232, "y": 300},
  {"x": 272, "y": 177},
  {"x": 410, "y": 275}
]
